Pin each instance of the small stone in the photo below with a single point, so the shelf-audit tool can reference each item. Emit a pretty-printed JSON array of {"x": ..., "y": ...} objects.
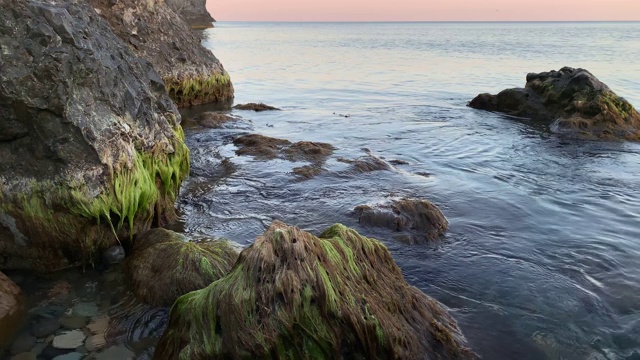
[
  {"x": 69, "y": 340},
  {"x": 96, "y": 342},
  {"x": 113, "y": 255},
  {"x": 45, "y": 327},
  {"x": 73, "y": 322},
  {"x": 115, "y": 352},
  {"x": 69, "y": 356},
  {"x": 24, "y": 356},
  {"x": 85, "y": 309},
  {"x": 24, "y": 343},
  {"x": 99, "y": 325}
]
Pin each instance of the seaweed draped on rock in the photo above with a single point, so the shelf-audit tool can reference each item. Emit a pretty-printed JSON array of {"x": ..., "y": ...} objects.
[
  {"x": 292, "y": 295},
  {"x": 571, "y": 101},
  {"x": 91, "y": 149},
  {"x": 192, "y": 74}
]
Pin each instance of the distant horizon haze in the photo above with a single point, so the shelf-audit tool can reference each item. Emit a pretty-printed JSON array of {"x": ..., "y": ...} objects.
[{"x": 425, "y": 10}]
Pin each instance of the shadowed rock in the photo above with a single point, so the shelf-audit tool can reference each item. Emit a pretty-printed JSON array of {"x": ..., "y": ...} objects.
[
  {"x": 571, "y": 101},
  {"x": 292, "y": 295},
  {"x": 93, "y": 149},
  {"x": 165, "y": 265},
  {"x": 11, "y": 309},
  {"x": 192, "y": 74},
  {"x": 419, "y": 219},
  {"x": 255, "y": 107}
]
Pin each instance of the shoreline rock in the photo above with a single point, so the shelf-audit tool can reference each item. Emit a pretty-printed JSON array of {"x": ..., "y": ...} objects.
[
  {"x": 166, "y": 265},
  {"x": 191, "y": 73},
  {"x": 96, "y": 152},
  {"x": 194, "y": 12},
  {"x": 571, "y": 101},
  {"x": 294, "y": 295}
]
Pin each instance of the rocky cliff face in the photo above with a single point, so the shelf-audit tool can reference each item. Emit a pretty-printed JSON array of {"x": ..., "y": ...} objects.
[
  {"x": 192, "y": 74},
  {"x": 194, "y": 12},
  {"x": 91, "y": 149}
]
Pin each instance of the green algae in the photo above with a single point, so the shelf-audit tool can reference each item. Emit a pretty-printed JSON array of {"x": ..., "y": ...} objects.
[
  {"x": 292, "y": 295},
  {"x": 65, "y": 223},
  {"x": 199, "y": 89}
]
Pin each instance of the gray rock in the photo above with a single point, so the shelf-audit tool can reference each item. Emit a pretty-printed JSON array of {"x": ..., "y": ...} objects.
[
  {"x": 73, "y": 322},
  {"x": 69, "y": 340},
  {"x": 24, "y": 343},
  {"x": 45, "y": 327},
  {"x": 85, "y": 309},
  {"x": 113, "y": 255},
  {"x": 191, "y": 73},
  {"x": 70, "y": 356},
  {"x": 194, "y": 12},
  {"x": 83, "y": 113}
]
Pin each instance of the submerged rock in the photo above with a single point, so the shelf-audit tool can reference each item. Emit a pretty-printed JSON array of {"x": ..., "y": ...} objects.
[
  {"x": 292, "y": 295},
  {"x": 366, "y": 164},
  {"x": 191, "y": 73},
  {"x": 213, "y": 120},
  {"x": 421, "y": 220},
  {"x": 11, "y": 309},
  {"x": 91, "y": 150},
  {"x": 194, "y": 12},
  {"x": 268, "y": 148},
  {"x": 571, "y": 101},
  {"x": 165, "y": 265},
  {"x": 257, "y": 107}
]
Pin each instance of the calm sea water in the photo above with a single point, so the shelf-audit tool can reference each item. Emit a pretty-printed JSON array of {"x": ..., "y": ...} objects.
[{"x": 542, "y": 259}]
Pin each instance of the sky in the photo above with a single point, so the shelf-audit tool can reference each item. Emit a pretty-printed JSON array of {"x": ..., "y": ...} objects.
[{"x": 424, "y": 10}]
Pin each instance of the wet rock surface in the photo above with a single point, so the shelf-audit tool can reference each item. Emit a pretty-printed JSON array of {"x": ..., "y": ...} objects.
[
  {"x": 11, "y": 309},
  {"x": 257, "y": 107},
  {"x": 268, "y": 148},
  {"x": 81, "y": 114},
  {"x": 571, "y": 101},
  {"x": 212, "y": 120},
  {"x": 419, "y": 221},
  {"x": 166, "y": 265},
  {"x": 192, "y": 74},
  {"x": 345, "y": 287},
  {"x": 194, "y": 12}
]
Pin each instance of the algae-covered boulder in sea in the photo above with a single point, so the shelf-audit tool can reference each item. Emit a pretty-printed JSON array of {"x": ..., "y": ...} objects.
[
  {"x": 166, "y": 265},
  {"x": 571, "y": 101},
  {"x": 194, "y": 12},
  {"x": 417, "y": 220},
  {"x": 91, "y": 149},
  {"x": 191, "y": 73},
  {"x": 292, "y": 295}
]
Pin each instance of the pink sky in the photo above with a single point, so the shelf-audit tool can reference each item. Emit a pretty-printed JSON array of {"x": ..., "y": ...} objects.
[{"x": 423, "y": 10}]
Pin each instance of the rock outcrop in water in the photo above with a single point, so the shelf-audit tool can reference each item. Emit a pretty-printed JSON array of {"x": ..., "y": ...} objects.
[
  {"x": 292, "y": 295},
  {"x": 257, "y": 107},
  {"x": 191, "y": 73},
  {"x": 91, "y": 148},
  {"x": 419, "y": 220},
  {"x": 194, "y": 12},
  {"x": 166, "y": 265},
  {"x": 572, "y": 101}
]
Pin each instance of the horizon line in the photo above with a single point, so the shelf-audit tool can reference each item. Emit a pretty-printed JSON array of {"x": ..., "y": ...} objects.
[{"x": 433, "y": 21}]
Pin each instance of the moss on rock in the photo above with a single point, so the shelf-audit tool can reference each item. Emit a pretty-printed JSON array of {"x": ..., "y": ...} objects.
[
  {"x": 165, "y": 265},
  {"x": 198, "y": 89},
  {"x": 292, "y": 295}
]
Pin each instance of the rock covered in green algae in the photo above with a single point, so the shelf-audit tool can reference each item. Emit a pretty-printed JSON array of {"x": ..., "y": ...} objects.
[
  {"x": 166, "y": 265},
  {"x": 420, "y": 220},
  {"x": 572, "y": 101},
  {"x": 91, "y": 148},
  {"x": 191, "y": 73},
  {"x": 292, "y": 295}
]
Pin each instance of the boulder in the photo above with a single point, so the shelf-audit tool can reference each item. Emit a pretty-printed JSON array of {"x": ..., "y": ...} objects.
[
  {"x": 92, "y": 150},
  {"x": 12, "y": 310},
  {"x": 571, "y": 101},
  {"x": 191, "y": 73},
  {"x": 166, "y": 265},
  {"x": 292, "y": 295},
  {"x": 193, "y": 12},
  {"x": 419, "y": 220}
]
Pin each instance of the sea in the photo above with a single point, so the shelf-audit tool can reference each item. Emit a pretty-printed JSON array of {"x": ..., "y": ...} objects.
[{"x": 542, "y": 256}]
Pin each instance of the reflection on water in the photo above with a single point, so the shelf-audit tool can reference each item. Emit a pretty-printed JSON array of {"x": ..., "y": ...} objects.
[{"x": 540, "y": 261}]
